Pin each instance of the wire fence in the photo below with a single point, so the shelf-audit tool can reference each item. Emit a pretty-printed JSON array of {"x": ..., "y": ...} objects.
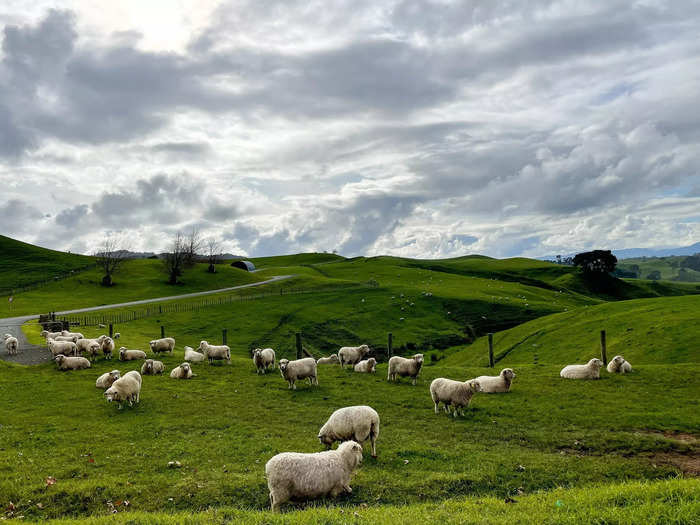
[{"x": 15, "y": 289}]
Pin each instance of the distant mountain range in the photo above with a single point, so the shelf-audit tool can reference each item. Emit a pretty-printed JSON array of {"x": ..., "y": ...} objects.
[{"x": 633, "y": 253}]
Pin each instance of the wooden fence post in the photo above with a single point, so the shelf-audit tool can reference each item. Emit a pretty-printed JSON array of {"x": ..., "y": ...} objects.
[
  {"x": 491, "y": 363},
  {"x": 298, "y": 341},
  {"x": 603, "y": 348},
  {"x": 162, "y": 331},
  {"x": 111, "y": 330},
  {"x": 224, "y": 334},
  {"x": 389, "y": 345}
]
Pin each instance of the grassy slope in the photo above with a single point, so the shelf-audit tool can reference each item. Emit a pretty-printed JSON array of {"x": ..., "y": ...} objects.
[{"x": 668, "y": 267}]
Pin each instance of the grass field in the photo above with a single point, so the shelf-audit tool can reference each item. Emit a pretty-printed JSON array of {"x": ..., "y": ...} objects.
[{"x": 670, "y": 268}]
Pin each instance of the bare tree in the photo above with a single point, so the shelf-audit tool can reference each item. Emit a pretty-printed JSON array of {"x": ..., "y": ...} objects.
[
  {"x": 213, "y": 254},
  {"x": 174, "y": 260},
  {"x": 192, "y": 244},
  {"x": 110, "y": 256}
]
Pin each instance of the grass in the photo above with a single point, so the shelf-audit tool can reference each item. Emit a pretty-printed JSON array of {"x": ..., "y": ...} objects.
[{"x": 674, "y": 268}]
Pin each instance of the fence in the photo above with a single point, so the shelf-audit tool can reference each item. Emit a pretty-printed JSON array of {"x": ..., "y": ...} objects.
[{"x": 13, "y": 290}]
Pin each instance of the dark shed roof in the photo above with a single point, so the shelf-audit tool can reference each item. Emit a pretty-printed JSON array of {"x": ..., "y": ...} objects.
[{"x": 243, "y": 265}]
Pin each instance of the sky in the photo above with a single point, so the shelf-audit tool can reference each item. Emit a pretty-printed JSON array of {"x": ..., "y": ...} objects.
[{"x": 417, "y": 128}]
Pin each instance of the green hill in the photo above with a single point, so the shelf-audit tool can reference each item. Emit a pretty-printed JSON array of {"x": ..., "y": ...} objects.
[{"x": 685, "y": 268}]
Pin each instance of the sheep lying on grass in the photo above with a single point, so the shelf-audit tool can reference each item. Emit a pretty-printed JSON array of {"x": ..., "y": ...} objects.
[
  {"x": 591, "y": 370},
  {"x": 332, "y": 359},
  {"x": 618, "y": 365},
  {"x": 107, "y": 379},
  {"x": 263, "y": 359},
  {"x": 125, "y": 389},
  {"x": 71, "y": 363},
  {"x": 152, "y": 367},
  {"x": 368, "y": 366},
  {"x": 184, "y": 371},
  {"x": 192, "y": 356},
  {"x": 131, "y": 355},
  {"x": 455, "y": 394},
  {"x": 62, "y": 347},
  {"x": 350, "y": 355},
  {"x": 357, "y": 423},
  {"x": 293, "y": 475},
  {"x": 11, "y": 344},
  {"x": 497, "y": 384},
  {"x": 166, "y": 344},
  {"x": 107, "y": 346},
  {"x": 88, "y": 346},
  {"x": 299, "y": 369},
  {"x": 215, "y": 352},
  {"x": 402, "y": 367}
]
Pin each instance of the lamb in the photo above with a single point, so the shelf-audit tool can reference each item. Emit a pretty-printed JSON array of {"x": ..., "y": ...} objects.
[
  {"x": 11, "y": 344},
  {"x": 350, "y": 355},
  {"x": 184, "y": 371},
  {"x": 71, "y": 363},
  {"x": 88, "y": 346},
  {"x": 263, "y": 359},
  {"x": 618, "y": 365},
  {"x": 49, "y": 335},
  {"x": 499, "y": 383},
  {"x": 107, "y": 347},
  {"x": 107, "y": 379},
  {"x": 368, "y": 366},
  {"x": 402, "y": 367},
  {"x": 591, "y": 370},
  {"x": 192, "y": 356},
  {"x": 213, "y": 352},
  {"x": 166, "y": 344},
  {"x": 332, "y": 359},
  {"x": 304, "y": 476},
  {"x": 152, "y": 367},
  {"x": 131, "y": 355},
  {"x": 62, "y": 347},
  {"x": 456, "y": 394},
  {"x": 300, "y": 369},
  {"x": 126, "y": 388},
  {"x": 358, "y": 423}
]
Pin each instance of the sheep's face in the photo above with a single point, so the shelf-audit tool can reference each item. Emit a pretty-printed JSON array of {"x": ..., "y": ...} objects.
[
  {"x": 59, "y": 359},
  {"x": 257, "y": 355},
  {"x": 334, "y": 357},
  {"x": 372, "y": 362},
  {"x": 202, "y": 345},
  {"x": 595, "y": 362},
  {"x": 365, "y": 349},
  {"x": 185, "y": 368},
  {"x": 283, "y": 365},
  {"x": 352, "y": 448},
  {"x": 618, "y": 359},
  {"x": 418, "y": 358},
  {"x": 122, "y": 354},
  {"x": 474, "y": 385},
  {"x": 508, "y": 373},
  {"x": 325, "y": 440},
  {"x": 149, "y": 365},
  {"x": 111, "y": 394},
  {"x": 94, "y": 347},
  {"x": 114, "y": 374}
]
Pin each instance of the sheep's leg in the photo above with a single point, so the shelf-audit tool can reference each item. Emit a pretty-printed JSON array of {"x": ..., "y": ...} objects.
[
  {"x": 373, "y": 440},
  {"x": 414, "y": 381},
  {"x": 437, "y": 403},
  {"x": 347, "y": 488}
]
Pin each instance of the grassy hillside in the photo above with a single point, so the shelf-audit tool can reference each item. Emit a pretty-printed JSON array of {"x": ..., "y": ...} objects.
[
  {"x": 674, "y": 268},
  {"x": 298, "y": 259},
  {"x": 663, "y": 330}
]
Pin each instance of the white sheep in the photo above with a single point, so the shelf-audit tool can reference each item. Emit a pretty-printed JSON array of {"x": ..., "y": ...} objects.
[
  {"x": 77, "y": 335},
  {"x": 71, "y": 363},
  {"x": 107, "y": 379},
  {"x": 368, "y": 366},
  {"x": 332, "y": 359},
  {"x": 215, "y": 352},
  {"x": 619, "y": 365},
  {"x": 350, "y": 355},
  {"x": 193, "y": 356},
  {"x": 263, "y": 359},
  {"x": 152, "y": 367},
  {"x": 591, "y": 370},
  {"x": 49, "y": 335},
  {"x": 357, "y": 423},
  {"x": 66, "y": 348},
  {"x": 456, "y": 394},
  {"x": 184, "y": 371},
  {"x": 11, "y": 344},
  {"x": 496, "y": 384},
  {"x": 117, "y": 335},
  {"x": 70, "y": 338},
  {"x": 299, "y": 369},
  {"x": 107, "y": 346},
  {"x": 293, "y": 475},
  {"x": 126, "y": 388},
  {"x": 88, "y": 346},
  {"x": 402, "y": 367},
  {"x": 166, "y": 344},
  {"x": 131, "y": 355}
]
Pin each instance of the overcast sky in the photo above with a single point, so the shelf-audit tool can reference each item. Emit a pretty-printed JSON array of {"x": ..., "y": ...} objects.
[{"x": 415, "y": 128}]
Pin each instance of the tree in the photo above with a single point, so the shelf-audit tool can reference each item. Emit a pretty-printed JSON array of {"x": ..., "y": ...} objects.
[
  {"x": 111, "y": 255},
  {"x": 174, "y": 260},
  {"x": 654, "y": 275},
  {"x": 597, "y": 262},
  {"x": 193, "y": 243},
  {"x": 213, "y": 254}
]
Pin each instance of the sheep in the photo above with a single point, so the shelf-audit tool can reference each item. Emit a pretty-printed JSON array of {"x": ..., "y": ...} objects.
[
  {"x": 71, "y": 363},
  {"x": 131, "y": 355},
  {"x": 358, "y": 423},
  {"x": 402, "y": 367},
  {"x": 11, "y": 344},
  {"x": 332, "y": 359},
  {"x": 126, "y": 388},
  {"x": 293, "y": 475},
  {"x": 117, "y": 335},
  {"x": 591, "y": 370},
  {"x": 107, "y": 347},
  {"x": 49, "y": 335},
  {"x": 89, "y": 346},
  {"x": 213, "y": 352},
  {"x": 192, "y": 356},
  {"x": 499, "y": 383},
  {"x": 106, "y": 379},
  {"x": 101, "y": 338},
  {"x": 77, "y": 335},
  {"x": 368, "y": 366},
  {"x": 457, "y": 394},
  {"x": 152, "y": 367},
  {"x": 70, "y": 338},
  {"x": 299, "y": 369},
  {"x": 350, "y": 355},
  {"x": 184, "y": 371},
  {"x": 66, "y": 348},
  {"x": 618, "y": 365},
  {"x": 166, "y": 344},
  {"x": 263, "y": 359}
]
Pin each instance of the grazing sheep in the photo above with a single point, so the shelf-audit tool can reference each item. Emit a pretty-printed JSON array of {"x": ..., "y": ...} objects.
[
  {"x": 350, "y": 355},
  {"x": 402, "y": 367},
  {"x": 263, "y": 358},
  {"x": 107, "y": 347},
  {"x": 49, "y": 335},
  {"x": 618, "y": 365},
  {"x": 106, "y": 379},
  {"x": 101, "y": 326},
  {"x": 117, "y": 335},
  {"x": 71, "y": 363},
  {"x": 62, "y": 347},
  {"x": 77, "y": 335},
  {"x": 70, "y": 338},
  {"x": 457, "y": 394},
  {"x": 88, "y": 346},
  {"x": 332, "y": 359},
  {"x": 131, "y": 355},
  {"x": 192, "y": 356},
  {"x": 184, "y": 371},
  {"x": 152, "y": 367},
  {"x": 11, "y": 344},
  {"x": 496, "y": 384},
  {"x": 368, "y": 366},
  {"x": 299, "y": 369},
  {"x": 215, "y": 352},
  {"x": 126, "y": 388},
  {"x": 591, "y": 370},
  {"x": 293, "y": 475},
  {"x": 358, "y": 423},
  {"x": 166, "y": 344}
]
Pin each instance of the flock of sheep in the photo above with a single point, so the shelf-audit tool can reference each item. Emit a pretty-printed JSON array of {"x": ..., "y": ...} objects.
[{"x": 292, "y": 475}]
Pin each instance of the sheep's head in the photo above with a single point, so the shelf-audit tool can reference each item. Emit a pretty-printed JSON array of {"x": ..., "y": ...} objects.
[
  {"x": 474, "y": 385},
  {"x": 334, "y": 357},
  {"x": 94, "y": 347},
  {"x": 148, "y": 365},
  {"x": 122, "y": 353},
  {"x": 114, "y": 374},
  {"x": 43, "y": 333},
  {"x": 202, "y": 345},
  {"x": 618, "y": 360},
  {"x": 352, "y": 450},
  {"x": 284, "y": 363},
  {"x": 65, "y": 332},
  {"x": 111, "y": 394},
  {"x": 152, "y": 344},
  {"x": 418, "y": 358},
  {"x": 507, "y": 374},
  {"x": 59, "y": 359},
  {"x": 325, "y": 440},
  {"x": 185, "y": 368},
  {"x": 257, "y": 354},
  {"x": 365, "y": 349},
  {"x": 595, "y": 362}
]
